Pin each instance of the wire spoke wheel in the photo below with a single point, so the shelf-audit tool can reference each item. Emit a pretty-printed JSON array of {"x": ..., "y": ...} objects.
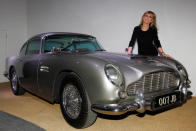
[
  {"x": 72, "y": 101},
  {"x": 15, "y": 86},
  {"x": 75, "y": 104},
  {"x": 14, "y": 81}
]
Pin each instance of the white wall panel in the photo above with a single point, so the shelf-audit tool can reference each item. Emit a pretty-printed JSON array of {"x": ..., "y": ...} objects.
[
  {"x": 13, "y": 21},
  {"x": 3, "y": 55},
  {"x": 112, "y": 22}
]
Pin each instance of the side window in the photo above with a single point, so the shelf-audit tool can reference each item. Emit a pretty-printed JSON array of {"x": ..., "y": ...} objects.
[
  {"x": 33, "y": 47},
  {"x": 23, "y": 50}
]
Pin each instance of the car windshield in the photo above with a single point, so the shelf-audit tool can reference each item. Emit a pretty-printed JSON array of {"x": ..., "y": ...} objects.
[{"x": 71, "y": 43}]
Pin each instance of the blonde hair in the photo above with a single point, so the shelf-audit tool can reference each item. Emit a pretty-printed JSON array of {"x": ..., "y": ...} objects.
[{"x": 153, "y": 24}]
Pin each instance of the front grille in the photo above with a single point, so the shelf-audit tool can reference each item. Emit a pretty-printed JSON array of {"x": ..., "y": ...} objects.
[{"x": 154, "y": 82}]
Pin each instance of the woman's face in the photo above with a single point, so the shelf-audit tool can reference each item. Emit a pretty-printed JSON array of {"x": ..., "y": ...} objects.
[{"x": 147, "y": 18}]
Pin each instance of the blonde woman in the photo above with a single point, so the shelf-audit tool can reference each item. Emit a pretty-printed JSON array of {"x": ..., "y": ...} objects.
[{"x": 147, "y": 37}]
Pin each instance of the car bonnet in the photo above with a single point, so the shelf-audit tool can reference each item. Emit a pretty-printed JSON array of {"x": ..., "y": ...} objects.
[{"x": 142, "y": 63}]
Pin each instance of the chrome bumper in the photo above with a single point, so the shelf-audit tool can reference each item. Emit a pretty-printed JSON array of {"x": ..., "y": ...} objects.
[
  {"x": 139, "y": 106},
  {"x": 6, "y": 74},
  {"x": 115, "y": 109}
]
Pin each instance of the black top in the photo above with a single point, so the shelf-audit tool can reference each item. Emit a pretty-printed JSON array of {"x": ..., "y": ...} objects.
[{"x": 148, "y": 41}]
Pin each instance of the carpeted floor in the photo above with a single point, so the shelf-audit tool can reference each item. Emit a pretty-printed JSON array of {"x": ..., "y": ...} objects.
[{"x": 48, "y": 116}]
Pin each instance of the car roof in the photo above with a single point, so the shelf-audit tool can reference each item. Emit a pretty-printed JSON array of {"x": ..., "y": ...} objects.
[{"x": 60, "y": 33}]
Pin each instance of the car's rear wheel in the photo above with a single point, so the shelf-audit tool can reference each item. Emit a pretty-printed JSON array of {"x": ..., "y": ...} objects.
[
  {"x": 16, "y": 89},
  {"x": 75, "y": 106}
]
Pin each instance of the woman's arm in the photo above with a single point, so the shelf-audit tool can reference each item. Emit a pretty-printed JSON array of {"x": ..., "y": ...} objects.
[
  {"x": 158, "y": 45},
  {"x": 132, "y": 41},
  {"x": 162, "y": 53}
]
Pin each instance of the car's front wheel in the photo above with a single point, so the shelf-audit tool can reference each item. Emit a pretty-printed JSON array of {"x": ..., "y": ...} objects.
[
  {"x": 75, "y": 106},
  {"x": 16, "y": 89}
]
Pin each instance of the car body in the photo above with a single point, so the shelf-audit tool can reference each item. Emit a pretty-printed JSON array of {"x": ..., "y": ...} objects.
[{"x": 74, "y": 70}]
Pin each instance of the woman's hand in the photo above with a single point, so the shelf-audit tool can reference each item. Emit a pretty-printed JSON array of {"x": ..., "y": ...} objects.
[
  {"x": 128, "y": 50},
  {"x": 166, "y": 55},
  {"x": 162, "y": 53}
]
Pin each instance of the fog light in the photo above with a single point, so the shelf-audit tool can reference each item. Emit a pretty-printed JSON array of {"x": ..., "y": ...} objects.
[
  {"x": 122, "y": 94},
  {"x": 184, "y": 91},
  {"x": 139, "y": 99},
  {"x": 188, "y": 82},
  {"x": 139, "y": 94}
]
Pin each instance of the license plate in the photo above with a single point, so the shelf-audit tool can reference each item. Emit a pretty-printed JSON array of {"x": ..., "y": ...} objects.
[{"x": 165, "y": 100}]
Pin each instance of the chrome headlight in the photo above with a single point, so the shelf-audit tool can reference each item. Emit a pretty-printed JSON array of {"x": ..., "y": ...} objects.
[
  {"x": 113, "y": 74},
  {"x": 182, "y": 70}
]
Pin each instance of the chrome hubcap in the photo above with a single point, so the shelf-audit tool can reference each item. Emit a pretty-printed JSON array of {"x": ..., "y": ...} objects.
[
  {"x": 72, "y": 101},
  {"x": 14, "y": 81}
]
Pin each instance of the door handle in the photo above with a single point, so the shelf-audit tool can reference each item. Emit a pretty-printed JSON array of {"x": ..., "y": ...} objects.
[{"x": 44, "y": 68}]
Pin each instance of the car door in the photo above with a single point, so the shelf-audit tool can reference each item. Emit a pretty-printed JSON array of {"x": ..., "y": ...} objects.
[
  {"x": 48, "y": 67},
  {"x": 29, "y": 65}
]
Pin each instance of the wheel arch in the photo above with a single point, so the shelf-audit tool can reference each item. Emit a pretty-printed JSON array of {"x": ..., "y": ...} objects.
[
  {"x": 86, "y": 117},
  {"x": 62, "y": 78}
]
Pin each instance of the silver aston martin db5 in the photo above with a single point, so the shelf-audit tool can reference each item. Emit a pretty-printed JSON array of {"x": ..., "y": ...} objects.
[{"x": 74, "y": 70}]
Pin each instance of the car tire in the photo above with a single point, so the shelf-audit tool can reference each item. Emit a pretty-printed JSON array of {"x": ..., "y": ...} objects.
[
  {"x": 16, "y": 89},
  {"x": 75, "y": 105}
]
